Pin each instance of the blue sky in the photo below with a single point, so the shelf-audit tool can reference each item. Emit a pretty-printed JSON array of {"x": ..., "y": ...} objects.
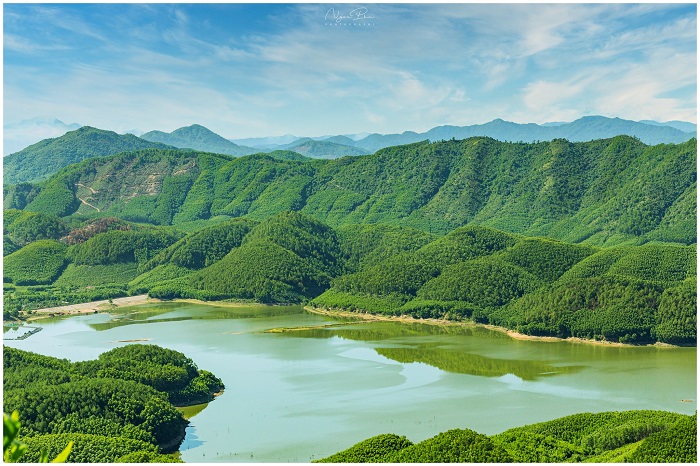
[{"x": 262, "y": 70}]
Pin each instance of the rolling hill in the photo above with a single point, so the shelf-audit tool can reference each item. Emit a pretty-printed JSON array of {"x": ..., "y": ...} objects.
[
  {"x": 537, "y": 286},
  {"x": 43, "y": 159},
  {"x": 198, "y": 137},
  {"x": 602, "y": 192},
  {"x": 322, "y": 149}
]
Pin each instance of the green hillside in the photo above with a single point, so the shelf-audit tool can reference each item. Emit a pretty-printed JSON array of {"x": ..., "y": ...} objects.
[
  {"x": 43, "y": 159},
  {"x": 287, "y": 258},
  {"x": 289, "y": 155},
  {"x": 537, "y": 286},
  {"x": 38, "y": 263},
  {"x": 198, "y": 137},
  {"x": 94, "y": 266},
  {"x": 22, "y": 227},
  {"x": 603, "y": 192},
  {"x": 116, "y": 405},
  {"x": 592, "y": 240},
  {"x": 627, "y": 436}
]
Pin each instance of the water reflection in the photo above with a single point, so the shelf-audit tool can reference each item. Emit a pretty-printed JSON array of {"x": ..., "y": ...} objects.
[
  {"x": 178, "y": 311},
  {"x": 417, "y": 343},
  {"x": 474, "y": 364},
  {"x": 324, "y": 384},
  {"x": 376, "y": 331},
  {"x": 191, "y": 411}
]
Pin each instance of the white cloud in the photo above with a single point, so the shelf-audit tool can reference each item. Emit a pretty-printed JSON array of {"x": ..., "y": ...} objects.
[
  {"x": 20, "y": 44},
  {"x": 418, "y": 66},
  {"x": 542, "y": 96}
]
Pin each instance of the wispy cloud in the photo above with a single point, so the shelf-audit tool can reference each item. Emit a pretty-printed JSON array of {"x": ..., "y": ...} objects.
[{"x": 256, "y": 70}]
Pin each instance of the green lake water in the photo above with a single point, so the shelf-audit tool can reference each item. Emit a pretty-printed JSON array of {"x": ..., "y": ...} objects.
[{"x": 301, "y": 395}]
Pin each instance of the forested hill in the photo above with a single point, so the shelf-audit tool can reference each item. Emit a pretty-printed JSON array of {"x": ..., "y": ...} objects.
[
  {"x": 602, "y": 192},
  {"x": 538, "y": 286},
  {"x": 46, "y": 157},
  {"x": 199, "y": 138},
  {"x": 323, "y": 149},
  {"x": 609, "y": 437}
]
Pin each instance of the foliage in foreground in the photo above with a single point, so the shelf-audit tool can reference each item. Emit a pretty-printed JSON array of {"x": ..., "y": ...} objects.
[
  {"x": 628, "y": 436},
  {"x": 110, "y": 407},
  {"x": 372, "y": 450}
]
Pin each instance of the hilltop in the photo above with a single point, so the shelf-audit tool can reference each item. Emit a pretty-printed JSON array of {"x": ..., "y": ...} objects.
[
  {"x": 602, "y": 192},
  {"x": 46, "y": 157},
  {"x": 198, "y": 137}
]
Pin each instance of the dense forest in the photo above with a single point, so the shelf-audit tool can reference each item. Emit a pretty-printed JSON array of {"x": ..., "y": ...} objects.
[
  {"x": 46, "y": 157},
  {"x": 117, "y": 408},
  {"x": 538, "y": 286},
  {"x": 604, "y": 192},
  {"x": 595, "y": 240},
  {"x": 609, "y": 437}
]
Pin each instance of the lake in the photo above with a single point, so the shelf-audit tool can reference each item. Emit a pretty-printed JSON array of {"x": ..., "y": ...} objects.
[{"x": 296, "y": 396}]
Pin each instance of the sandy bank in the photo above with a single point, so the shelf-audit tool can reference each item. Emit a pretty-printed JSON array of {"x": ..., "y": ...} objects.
[{"x": 91, "y": 307}]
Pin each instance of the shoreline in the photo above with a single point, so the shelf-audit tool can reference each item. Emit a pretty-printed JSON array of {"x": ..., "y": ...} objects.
[
  {"x": 469, "y": 324},
  {"x": 105, "y": 305},
  {"x": 90, "y": 307}
]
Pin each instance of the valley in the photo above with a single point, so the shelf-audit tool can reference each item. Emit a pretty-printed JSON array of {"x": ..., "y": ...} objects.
[
  {"x": 374, "y": 233},
  {"x": 464, "y": 270}
]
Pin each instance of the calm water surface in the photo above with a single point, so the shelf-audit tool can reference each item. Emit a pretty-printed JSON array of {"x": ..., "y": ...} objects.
[{"x": 301, "y": 395}]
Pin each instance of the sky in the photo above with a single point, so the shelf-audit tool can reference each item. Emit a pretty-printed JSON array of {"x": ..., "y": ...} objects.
[{"x": 252, "y": 70}]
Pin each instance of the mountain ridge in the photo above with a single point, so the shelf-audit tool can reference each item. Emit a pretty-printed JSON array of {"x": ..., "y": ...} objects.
[
  {"x": 586, "y": 128},
  {"x": 602, "y": 192},
  {"x": 200, "y": 138}
]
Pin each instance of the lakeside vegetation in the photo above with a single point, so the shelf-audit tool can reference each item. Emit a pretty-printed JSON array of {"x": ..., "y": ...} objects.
[
  {"x": 627, "y": 436},
  {"x": 535, "y": 286},
  {"x": 593, "y": 240},
  {"x": 117, "y": 408}
]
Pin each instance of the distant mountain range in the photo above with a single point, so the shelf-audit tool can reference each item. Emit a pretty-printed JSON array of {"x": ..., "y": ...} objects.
[
  {"x": 582, "y": 130},
  {"x": 200, "y": 138},
  {"x": 681, "y": 125},
  {"x": 44, "y": 158},
  {"x": 276, "y": 142}
]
